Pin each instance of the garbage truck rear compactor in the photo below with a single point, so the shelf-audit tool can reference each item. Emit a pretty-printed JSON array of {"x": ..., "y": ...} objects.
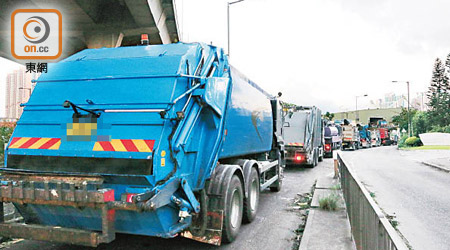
[
  {"x": 304, "y": 137},
  {"x": 156, "y": 140}
]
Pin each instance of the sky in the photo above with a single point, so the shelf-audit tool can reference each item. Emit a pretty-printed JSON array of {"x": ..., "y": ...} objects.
[
  {"x": 321, "y": 52},
  {"x": 326, "y": 52}
]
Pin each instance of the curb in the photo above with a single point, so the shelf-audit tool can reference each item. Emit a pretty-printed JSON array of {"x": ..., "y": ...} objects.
[
  {"x": 307, "y": 231},
  {"x": 436, "y": 166}
]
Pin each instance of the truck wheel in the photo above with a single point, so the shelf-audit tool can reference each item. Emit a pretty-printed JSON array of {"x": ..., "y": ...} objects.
[
  {"x": 316, "y": 158},
  {"x": 233, "y": 210},
  {"x": 277, "y": 185},
  {"x": 321, "y": 157},
  {"x": 252, "y": 201}
]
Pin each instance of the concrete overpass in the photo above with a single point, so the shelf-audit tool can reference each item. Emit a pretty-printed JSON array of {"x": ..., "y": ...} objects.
[{"x": 100, "y": 23}]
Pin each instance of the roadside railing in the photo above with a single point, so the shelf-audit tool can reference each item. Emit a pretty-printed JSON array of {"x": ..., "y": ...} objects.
[{"x": 370, "y": 228}]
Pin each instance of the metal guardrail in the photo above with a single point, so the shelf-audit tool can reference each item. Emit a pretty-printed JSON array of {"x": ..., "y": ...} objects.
[{"x": 370, "y": 228}]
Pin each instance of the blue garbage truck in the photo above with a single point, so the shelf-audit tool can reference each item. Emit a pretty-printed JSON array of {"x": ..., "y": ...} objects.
[
  {"x": 365, "y": 136},
  {"x": 156, "y": 140}
]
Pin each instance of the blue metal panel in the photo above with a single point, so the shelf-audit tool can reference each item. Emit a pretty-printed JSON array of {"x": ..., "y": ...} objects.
[
  {"x": 157, "y": 223},
  {"x": 249, "y": 120}
]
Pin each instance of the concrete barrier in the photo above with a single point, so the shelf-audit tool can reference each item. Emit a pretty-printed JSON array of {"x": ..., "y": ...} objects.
[{"x": 435, "y": 139}]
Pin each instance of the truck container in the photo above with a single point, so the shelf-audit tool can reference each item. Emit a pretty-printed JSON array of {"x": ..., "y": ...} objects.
[
  {"x": 384, "y": 136},
  {"x": 333, "y": 134},
  {"x": 303, "y": 136},
  {"x": 350, "y": 136},
  {"x": 158, "y": 140}
]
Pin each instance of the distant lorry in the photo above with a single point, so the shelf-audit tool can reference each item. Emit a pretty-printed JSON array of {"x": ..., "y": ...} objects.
[
  {"x": 384, "y": 136},
  {"x": 350, "y": 136},
  {"x": 365, "y": 137},
  {"x": 303, "y": 136},
  {"x": 158, "y": 140},
  {"x": 374, "y": 121},
  {"x": 333, "y": 139},
  {"x": 375, "y": 137}
]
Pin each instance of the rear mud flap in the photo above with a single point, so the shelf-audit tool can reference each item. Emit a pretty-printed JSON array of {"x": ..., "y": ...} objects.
[{"x": 213, "y": 231}]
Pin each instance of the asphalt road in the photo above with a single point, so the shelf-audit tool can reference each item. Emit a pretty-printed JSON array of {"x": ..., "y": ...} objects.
[
  {"x": 273, "y": 227},
  {"x": 417, "y": 194}
]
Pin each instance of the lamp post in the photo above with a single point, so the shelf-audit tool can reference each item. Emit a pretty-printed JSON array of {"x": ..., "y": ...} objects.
[
  {"x": 409, "y": 115},
  {"x": 356, "y": 110},
  {"x": 228, "y": 22}
]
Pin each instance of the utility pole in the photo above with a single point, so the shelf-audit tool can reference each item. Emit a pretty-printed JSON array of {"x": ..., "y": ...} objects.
[
  {"x": 228, "y": 23},
  {"x": 356, "y": 110}
]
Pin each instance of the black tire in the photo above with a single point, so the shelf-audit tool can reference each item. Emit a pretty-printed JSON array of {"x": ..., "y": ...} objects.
[
  {"x": 276, "y": 187},
  {"x": 252, "y": 201},
  {"x": 321, "y": 157},
  {"x": 316, "y": 158},
  {"x": 234, "y": 203},
  {"x": 313, "y": 162}
]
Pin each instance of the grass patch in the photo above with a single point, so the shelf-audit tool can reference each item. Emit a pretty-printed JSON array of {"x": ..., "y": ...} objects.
[
  {"x": 393, "y": 221},
  {"x": 429, "y": 147},
  {"x": 336, "y": 187},
  {"x": 330, "y": 202}
]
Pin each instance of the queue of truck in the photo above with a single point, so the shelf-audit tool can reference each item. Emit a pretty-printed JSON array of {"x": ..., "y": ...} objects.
[
  {"x": 356, "y": 136},
  {"x": 159, "y": 140}
]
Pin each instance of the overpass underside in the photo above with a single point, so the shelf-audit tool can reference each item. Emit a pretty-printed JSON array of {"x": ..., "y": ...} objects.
[{"x": 100, "y": 23}]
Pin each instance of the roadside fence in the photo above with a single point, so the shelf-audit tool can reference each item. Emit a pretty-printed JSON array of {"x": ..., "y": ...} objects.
[{"x": 371, "y": 229}]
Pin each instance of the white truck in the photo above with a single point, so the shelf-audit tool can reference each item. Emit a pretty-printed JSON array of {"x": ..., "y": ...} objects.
[{"x": 303, "y": 136}]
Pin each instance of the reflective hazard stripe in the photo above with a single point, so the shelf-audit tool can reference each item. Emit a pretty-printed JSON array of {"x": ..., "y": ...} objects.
[
  {"x": 295, "y": 144},
  {"x": 35, "y": 143},
  {"x": 125, "y": 145}
]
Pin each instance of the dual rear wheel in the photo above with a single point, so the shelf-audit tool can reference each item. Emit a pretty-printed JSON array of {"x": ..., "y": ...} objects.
[{"x": 237, "y": 207}]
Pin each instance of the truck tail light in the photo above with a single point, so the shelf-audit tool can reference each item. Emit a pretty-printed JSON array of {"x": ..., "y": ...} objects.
[{"x": 298, "y": 157}]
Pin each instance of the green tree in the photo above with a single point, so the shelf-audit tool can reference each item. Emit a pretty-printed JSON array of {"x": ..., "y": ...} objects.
[
  {"x": 401, "y": 120},
  {"x": 439, "y": 94},
  {"x": 420, "y": 123},
  {"x": 5, "y": 134},
  {"x": 329, "y": 116}
]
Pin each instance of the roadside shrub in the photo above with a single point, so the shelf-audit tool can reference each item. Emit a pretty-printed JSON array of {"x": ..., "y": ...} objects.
[
  {"x": 401, "y": 142},
  {"x": 330, "y": 202},
  {"x": 413, "y": 141}
]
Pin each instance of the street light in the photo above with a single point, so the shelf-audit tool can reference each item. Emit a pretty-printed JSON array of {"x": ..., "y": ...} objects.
[
  {"x": 357, "y": 112},
  {"x": 409, "y": 116},
  {"x": 228, "y": 22}
]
